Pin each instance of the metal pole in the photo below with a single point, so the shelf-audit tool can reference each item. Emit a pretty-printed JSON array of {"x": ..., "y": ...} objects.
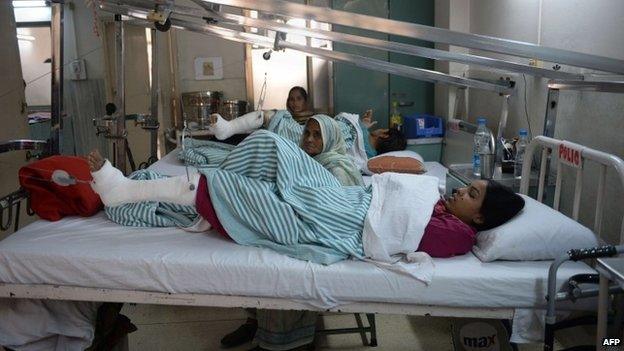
[
  {"x": 357, "y": 60},
  {"x": 56, "y": 115},
  {"x": 120, "y": 125},
  {"x": 603, "y": 310},
  {"x": 154, "y": 103},
  {"x": 309, "y": 68},
  {"x": 502, "y": 125},
  {"x": 432, "y": 34}
]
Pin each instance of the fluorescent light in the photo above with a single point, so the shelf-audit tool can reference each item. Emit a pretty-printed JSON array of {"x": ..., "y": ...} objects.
[
  {"x": 29, "y": 3},
  {"x": 25, "y": 37}
]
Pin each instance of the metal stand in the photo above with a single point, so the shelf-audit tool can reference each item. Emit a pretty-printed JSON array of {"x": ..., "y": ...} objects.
[
  {"x": 361, "y": 329},
  {"x": 11, "y": 205},
  {"x": 56, "y": 115},
  {"x": 118, "y": 138},
  {"x": 152, "y": 123}
]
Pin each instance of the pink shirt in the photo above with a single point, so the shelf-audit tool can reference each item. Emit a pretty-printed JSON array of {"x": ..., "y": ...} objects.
[{"x": 446, "y": 235}]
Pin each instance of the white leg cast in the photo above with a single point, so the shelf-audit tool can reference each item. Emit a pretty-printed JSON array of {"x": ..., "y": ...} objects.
[
  {"x": 115, "y": 189},
  {"x": 223, "y": 129}
]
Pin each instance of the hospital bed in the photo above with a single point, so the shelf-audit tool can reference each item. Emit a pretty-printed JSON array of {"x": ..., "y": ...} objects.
[{"x": 94, "y": 259}]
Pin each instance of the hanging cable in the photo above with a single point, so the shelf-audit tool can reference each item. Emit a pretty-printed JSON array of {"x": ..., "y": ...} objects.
[
  {"x": 526, "y": 112},
  {"x": 263, "y": 91}
]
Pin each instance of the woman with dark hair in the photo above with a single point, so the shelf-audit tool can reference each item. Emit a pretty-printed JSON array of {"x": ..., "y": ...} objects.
[
  {"x": 294, "y": 188},
  {"x": 297, "y": 104},
  {"x": 270, "y": 193}
]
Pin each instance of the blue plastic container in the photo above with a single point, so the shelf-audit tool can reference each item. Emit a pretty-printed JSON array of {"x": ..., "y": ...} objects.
[{"x": 422, "y": 126}]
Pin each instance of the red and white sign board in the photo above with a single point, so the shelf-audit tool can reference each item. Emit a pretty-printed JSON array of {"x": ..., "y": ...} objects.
[{"x": 570, "y": 154}]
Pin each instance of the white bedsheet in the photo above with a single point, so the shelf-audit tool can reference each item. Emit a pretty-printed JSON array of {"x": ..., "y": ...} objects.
[{"x": 94, "y": 252}]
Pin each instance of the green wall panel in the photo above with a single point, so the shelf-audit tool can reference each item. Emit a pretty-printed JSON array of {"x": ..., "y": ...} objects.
[
  {"x": 357, "y": 89},
  {"x": 408, "y": 90}
]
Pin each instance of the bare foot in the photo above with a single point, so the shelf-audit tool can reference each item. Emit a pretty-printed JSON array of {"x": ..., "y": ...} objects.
[{"x": 95, "y": 160}]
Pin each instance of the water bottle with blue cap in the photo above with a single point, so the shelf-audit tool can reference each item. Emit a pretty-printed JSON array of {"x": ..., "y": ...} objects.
[{"x": 481, "y": 145}]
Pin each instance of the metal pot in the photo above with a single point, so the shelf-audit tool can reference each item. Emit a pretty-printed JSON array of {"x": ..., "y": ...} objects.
[
  {"x": 197, "y": 106},
  {"x": 231, "y": 109}
]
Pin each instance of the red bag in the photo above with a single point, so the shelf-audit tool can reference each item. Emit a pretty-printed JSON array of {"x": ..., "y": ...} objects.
[{"x": 52, "y": 201}]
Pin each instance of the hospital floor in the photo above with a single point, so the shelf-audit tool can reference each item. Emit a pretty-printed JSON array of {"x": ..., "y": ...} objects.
[{"x": 198, "y": 328}]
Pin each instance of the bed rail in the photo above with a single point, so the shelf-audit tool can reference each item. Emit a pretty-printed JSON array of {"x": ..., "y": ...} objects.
[{"x": 574, "y": 156}]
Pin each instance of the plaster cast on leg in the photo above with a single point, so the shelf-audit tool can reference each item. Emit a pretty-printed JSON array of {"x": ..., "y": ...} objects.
[
  {"x": 249, "y": 122},
  {"x": 115, "y": 189}
]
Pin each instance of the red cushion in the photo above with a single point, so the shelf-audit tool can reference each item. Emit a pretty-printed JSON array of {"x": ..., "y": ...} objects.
[
  {"x": 52, "y": 201},
  {"x": 381, "y": 164}
]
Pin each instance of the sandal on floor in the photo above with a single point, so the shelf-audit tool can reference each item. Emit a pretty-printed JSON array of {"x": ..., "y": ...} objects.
[{"x": 245, "y": 333}]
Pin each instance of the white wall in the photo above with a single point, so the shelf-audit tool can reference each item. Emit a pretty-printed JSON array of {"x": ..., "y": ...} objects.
[
  {"x": 233, "y": 85},
  {"x": 36, "y": 73},
  {"x": 592, "y": 119},
  {"x": 192, "y": 45}
]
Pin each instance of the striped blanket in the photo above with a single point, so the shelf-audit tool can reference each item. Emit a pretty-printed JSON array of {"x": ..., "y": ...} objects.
[{"x": 267, "y": 192}]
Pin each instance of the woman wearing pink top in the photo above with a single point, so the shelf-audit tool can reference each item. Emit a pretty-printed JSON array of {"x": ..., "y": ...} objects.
[{"x": 449, "y": 231}]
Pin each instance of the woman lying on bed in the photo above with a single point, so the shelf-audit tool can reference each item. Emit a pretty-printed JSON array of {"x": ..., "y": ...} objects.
[{"x": 269, "y": 193}]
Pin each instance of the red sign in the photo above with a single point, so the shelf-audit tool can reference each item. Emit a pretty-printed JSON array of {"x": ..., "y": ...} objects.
[{"x": 570, "y": 155}]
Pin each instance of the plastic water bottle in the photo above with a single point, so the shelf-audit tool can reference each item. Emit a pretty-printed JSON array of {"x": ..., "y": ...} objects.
[
  {"x": 520, "y": 148},
  {"x": 481, "y": 145}
]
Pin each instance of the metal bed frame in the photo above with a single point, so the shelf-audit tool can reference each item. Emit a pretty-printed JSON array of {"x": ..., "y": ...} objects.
[{"x": 573, "y": 291}]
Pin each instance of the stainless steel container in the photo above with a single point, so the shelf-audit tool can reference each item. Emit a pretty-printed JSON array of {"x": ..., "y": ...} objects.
[
  {"x": 197, "y": 106},
  {"x": 487, "y": 165},
  {"x": 231, "y": 109},
  {"x": 488, "y": 160}
]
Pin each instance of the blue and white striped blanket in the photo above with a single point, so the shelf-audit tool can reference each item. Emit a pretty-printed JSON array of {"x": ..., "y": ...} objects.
[{"x": 267, "y": 192}]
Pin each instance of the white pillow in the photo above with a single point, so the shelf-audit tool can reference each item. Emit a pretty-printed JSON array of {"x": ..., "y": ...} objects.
[
  {"x": 538, "y": 232},
  {"x": 402, "y": 153}
]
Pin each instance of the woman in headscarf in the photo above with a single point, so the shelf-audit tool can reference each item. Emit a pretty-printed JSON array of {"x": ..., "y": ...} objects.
[{"x": 322, "y": 139}]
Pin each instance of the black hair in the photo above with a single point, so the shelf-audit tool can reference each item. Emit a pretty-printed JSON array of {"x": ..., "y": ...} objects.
[
  {"x": 304, "y": 94},
  {"x": 395, "y": 141},
  {"x": 500, "y": 204},
  {"x": 301, "y": 90}
]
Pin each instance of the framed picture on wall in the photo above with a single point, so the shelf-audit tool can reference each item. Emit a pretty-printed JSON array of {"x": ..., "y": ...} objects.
[{"x": 208, "y": 68}]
